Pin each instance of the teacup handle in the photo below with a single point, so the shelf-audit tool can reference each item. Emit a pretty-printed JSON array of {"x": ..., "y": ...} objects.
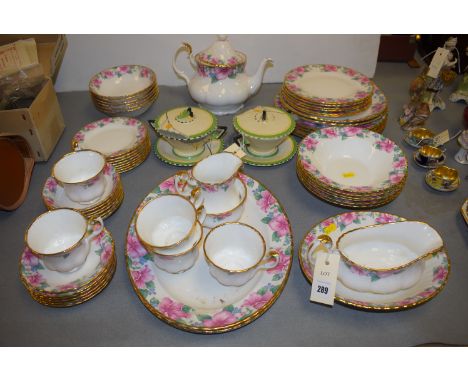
[
  {"x": 267, "y": 263},
  {"x": 93, "y": 234},
  {"x": 201, "y": 214},
  {"x": 184, "y": 183},
  {"x": 196, "y": 197}
]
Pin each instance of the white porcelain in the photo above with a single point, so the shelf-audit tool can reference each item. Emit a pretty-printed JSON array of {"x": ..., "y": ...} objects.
[
  {"x": 220, "y": 84},
  {"x": 81, "y": 175},
  {"x": 235, "y": 252},
  {"x": 167, "y": 221},
  {"x": 229, "y": 215},
  {"x": 387, "y": 257},
  {"x": 60, "y": 239},
  {"x": 215, "y": 175},
  {"x": 181, "y": 257},
  {"x": 263, "y": 129}
]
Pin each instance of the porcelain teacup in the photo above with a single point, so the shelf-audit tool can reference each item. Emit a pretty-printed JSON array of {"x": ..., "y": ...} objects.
[
  {"x": 167, "y": 221},
  {"x": 81, "y": 175},
  {"x": 182, "y": 257},
  {"x": 216, "y": 176},
  {"x": 444, "y": 176},
  {"x": 429, "y": 155},
  {"x": 235, "y": 252},
  {"x": 61, "y": 238}
]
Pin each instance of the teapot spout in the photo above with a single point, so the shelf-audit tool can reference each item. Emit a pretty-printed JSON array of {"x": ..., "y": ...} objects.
[{"x": 255, "y": 81}]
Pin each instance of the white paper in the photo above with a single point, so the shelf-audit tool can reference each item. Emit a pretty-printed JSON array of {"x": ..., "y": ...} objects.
[
  {"x": 437, "y": 62},
  {"x": 325, "y": 276}
]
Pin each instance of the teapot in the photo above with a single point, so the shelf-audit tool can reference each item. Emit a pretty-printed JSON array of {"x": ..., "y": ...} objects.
[{"x": 220, "y": 83}]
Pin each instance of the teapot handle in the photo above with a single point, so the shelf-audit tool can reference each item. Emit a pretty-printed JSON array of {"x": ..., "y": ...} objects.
[{"x": 184, "y": 46}]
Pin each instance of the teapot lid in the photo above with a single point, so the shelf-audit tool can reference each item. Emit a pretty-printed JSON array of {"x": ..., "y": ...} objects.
[{"x": 221, "y": 54}]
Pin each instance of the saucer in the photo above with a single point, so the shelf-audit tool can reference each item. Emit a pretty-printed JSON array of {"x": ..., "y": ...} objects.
[
  {"x": 286, "y": 150},
  {"x": 437, "y": 187},
  {"x": 439, "y": 162},
  {"x": 36, "y": 277},
  {"x": 194, "y": 300},
  {"x": 165, "y": 152},
  {"x": 432, "y": 281}
]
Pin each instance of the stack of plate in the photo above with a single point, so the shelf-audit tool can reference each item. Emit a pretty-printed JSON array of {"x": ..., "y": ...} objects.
[
  {"x": 57, "y": 289},
  {"x": 126, "y": 90},
  {"x": 125, "y": 142},
  {"x": 55, "y": 197},
  {"x": 351, "y": 167},
  {"x": 320, "y": 96}
]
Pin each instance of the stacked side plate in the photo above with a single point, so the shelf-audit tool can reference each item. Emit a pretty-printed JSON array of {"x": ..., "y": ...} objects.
[
  {"x": 126, "y": 90},
  {"x": 351, "y": 167},
  {"x": 125, "y": 142},
  {"x": 55, "y": 197},
  {"x": 320, "y": 96},
  {"x": 62, "y": 290}
]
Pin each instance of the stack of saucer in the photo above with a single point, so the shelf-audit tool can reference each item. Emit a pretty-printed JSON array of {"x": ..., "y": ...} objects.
[
  {"x": 125, "y": 142},
  {"x": 351, "y": 167},
  {"x": 54, "y": 196},
  {"x": 320, "y": 96},
  {"x": 65, "y": 289},
  {"x": 126, "y": 90}
]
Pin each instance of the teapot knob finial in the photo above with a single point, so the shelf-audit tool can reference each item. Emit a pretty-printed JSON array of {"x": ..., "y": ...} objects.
[{"x": 222, "y": 37}]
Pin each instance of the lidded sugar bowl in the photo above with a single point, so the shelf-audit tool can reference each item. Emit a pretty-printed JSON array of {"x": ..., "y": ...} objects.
[{"x": 220, "y": 83}]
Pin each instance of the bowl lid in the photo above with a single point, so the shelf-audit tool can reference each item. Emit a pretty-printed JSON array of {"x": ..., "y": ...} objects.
[
  {"x": 220, "y": 54},
  {"x": 186, "y": 123},
  {"x": 264, "y": 122}
]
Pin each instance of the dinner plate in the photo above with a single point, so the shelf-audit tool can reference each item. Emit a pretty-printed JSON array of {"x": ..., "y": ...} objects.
[
  {"x": 433, "y": 280},
  {"x": 328, "y": 84},
  {"x": 111, "y": 136},
  {"x": 194, "y": 300}
]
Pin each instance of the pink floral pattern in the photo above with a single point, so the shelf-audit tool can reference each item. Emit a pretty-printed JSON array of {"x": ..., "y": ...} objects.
[
  {"x": 348, "y": 221},
  {"x": 232, "y": 67},
  {"x": 172, "y": 309},
  {"x": 366, "y": 87},
  {"x": 396, "y": 174},
  {"x": 37, "y": 276},
  {"x": 119, "y": 71},
  {"x": 146, "y": 282}
]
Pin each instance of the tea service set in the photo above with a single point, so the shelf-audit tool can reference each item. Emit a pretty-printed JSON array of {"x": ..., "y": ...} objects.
[{"x": 210, "y": 248}]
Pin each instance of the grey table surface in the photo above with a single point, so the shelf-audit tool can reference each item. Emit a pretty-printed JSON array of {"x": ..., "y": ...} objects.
[{"x": 116, "y": 317}]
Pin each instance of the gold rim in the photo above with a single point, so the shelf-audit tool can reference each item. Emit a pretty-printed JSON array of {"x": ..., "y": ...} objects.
[
  {"x": 236, "y": 207},
  {"x": 211, "y": 65},
  {"x": 225, "y": 328},
  {"x": 369, "y": 307},
  {"x": 69, "y": 249},
  {"x": 153, "y": 80},
  {"x": 222, "y": 181},
  {"x": 127, "y": 103},
  {"x": 207, "y": 257},
  {"x": 153, "y": 247},
  {"x": 188, "y": 250},
  {"x": 349, "y": 261},
  {"x": 76, "y": 153}
]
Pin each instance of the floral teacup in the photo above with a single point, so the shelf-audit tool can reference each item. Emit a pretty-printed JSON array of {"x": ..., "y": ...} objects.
[
  {"x": 235, "y": 252},
  {"x": 61, "y": 239},
  {"x": 81, "y": 175}
]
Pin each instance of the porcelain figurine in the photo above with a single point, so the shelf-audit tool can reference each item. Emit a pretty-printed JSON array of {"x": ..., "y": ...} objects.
[
  {"x": 461, "y": 94},
  {"x": 220, "y": 83}
]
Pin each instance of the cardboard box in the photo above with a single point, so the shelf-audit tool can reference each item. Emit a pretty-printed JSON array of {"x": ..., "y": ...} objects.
[{"x": 41, "y": 124}]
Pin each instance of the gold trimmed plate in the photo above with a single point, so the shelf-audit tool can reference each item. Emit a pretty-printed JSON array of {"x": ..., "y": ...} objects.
[
  {"x": 433, "y": 279},
  {"x": 194, "y": 301}
]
